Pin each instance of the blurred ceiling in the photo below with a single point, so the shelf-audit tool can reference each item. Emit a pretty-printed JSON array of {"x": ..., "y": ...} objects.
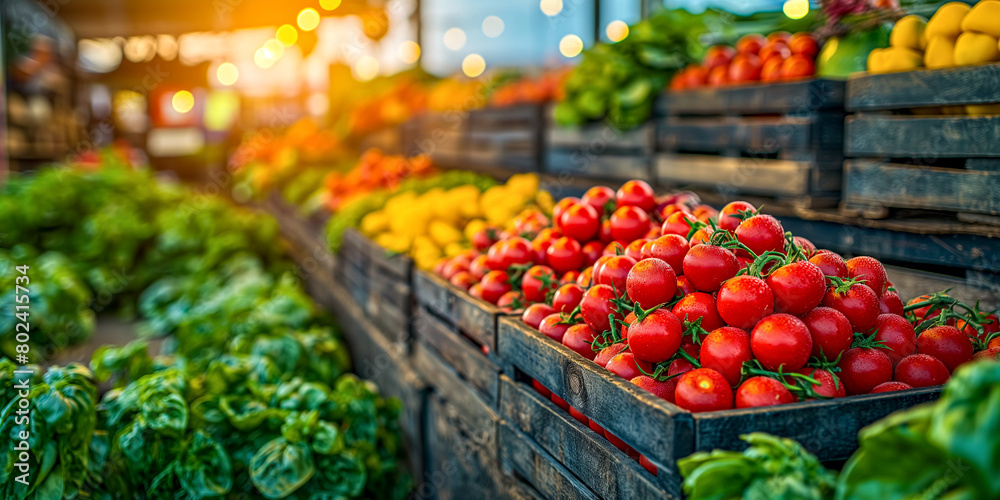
[{"x": 104, "y": 18}]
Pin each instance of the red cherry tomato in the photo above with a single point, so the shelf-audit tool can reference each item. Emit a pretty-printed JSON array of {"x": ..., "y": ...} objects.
[
  {"x": 744, "y": 300},
  {"x": 476, "y": 291},
  {"x": 629, "y": 223},
  {"x": 614, "y": 248},
  {"x": 484, "y": 238},
  {"x": 804, "y": 44},
  {"x": 830, "y": 263},
  {"x": 695, "y": 76},
  {"x": 684, "y": 287},
  {"x": 511, "y": 302},
  {"x": 831, "y": 332},
  {"x": 567, "y": 297},
  {"x": 859, "y": 303},
  {"x": 761, "y": 233},
  {"x": 656, "y": 337},
  {"x": 678, "y": 223},
  {"x": 947, "y": 343},
  {"x": 890, "y": 386},
  {"x": 890, "y": 303},
  {"x": 479, "y": 267},
  {"x": 494, "y": 284},
  {"x": 565, "y": 254},
  {"x": 719, "y": 76},
  {"x": 707, "y": 266},
  {"x": 762, "y": 391},
  {"x": 534, "y": 314},
  {"x": 725, "y": 350},
  {"x": 798, "y": 287},
  {"x": 870, "y": 270},
  {"x": 770, "y": 71},
  {"x": 698, "y": 305},
  {"x": 580, "y": 222},
  {"x": 921, "y": 370},
  {"x": 670, "y": 248},
  {"x": 553, "y": 326},
  {"x": 729, "y": 216},
  {"x": 514, "y": 251},
  {"x": 599, "y": 197},
  {"x": 636, "y": 193},
  {"x": 897, "y": 334},
  {"x": 615, "y": 271},
  {"x": 703, "y": 389},
  {"x": 861, "y": 369},
  {"x": 651, "y": 282},
  {"x": 537, "y": 282},
  {"x": 782, "y": 36},
  {"x": 626, "y": 366},
  {"x": 596, "y": 306},
  {"x": 463, "y": 280},
  {"x": 744, "y": 68},
  {"x": 586, "y": 277},
  {"x": 781, "y": 340},
  {"x": 660, "y": 389},
  {"x": 579, "y": 339},
  {"x": 451, "y": 267},
  {"x": 634, "y": 249},
  {"x": 561, "y": 206},
  {"x": 591, "y": 251},
  {"x": 776, "y": 48},
  {"x": 605, "y": 355},
  {"x": 829, "y": 384}
]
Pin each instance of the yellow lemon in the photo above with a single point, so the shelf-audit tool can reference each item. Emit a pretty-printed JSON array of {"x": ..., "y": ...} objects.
[
  {"x": 908, "y": 33},
  {"x": 895, "y": 59},
  {"x": 374, "y": 223},
  {"x": 976, "y": 48},
  {"x": 940, "y": 52},
  {"x": 984, "y": 18},
  {"x": 947, "y": 20}
]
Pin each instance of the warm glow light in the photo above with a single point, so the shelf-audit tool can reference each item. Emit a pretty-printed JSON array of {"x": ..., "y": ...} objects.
[
  {"x": 227, "y": 73},
  {"x": 318, "y": 104},
  {"x": 795, "y": 9},
  {"x": 287, "y": 35},
  {"x": 329, "y": 4},
  {"x": 263, "y": 58},
  {"x": 570, "y": 46},
  {"x": 454, "y": 38},
  {"x": 473, "y": 65},
  {"x": 492, "y": 26},
  {"x": 366, "y": 68},
  {"x": 616, "y": 31},
  {"x": 551, "y": 7},
  {"x": 409, "y": 52},
  {"x": 308, "y": 19},
  {"x": 275, "y": 48},
  {"x": 182, "y": 101}
]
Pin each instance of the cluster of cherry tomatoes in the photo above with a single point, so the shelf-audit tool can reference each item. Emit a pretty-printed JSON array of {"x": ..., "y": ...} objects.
[
  {"x": 715, "y": 310},
  {"x": 779, "y": 56}
]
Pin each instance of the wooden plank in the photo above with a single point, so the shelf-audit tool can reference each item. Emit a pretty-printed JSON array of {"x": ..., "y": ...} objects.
[
  {"x": 746, "y": 175},
  {"x": 460, "y": 464},
  {"x": 929, "y": 188},
  {"x": 934, "y": 87},
  {"x": 476, "y": 318},
  {"x": 752, "y": 134},
  {"x": 655, "y": 428},
  {"x": 588, "y": 456},
  {"x": 507, "y": 117},
  {"x": 922, "y": 136},
  {"x": 911, "y": 283},
  {"x": 599, "y": 137},
  {"x": 462, "y": 355},
  {"x": 827, "y": 428},
  {"x": 780, "y": 97},
  {"x": 442, "y": 378},
  {"x": 434, "y": 292},
  {"x": 356, "y": 282},
  {"x": 584, "y": 163},
  {"x": 525, "y": 459}
]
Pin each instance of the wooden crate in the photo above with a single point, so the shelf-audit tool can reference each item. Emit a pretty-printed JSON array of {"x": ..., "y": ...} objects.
[
  {"x": 664, "y": 432},
  {"x": 599, "y": 151},
  {"x": 380, "y": 282},
  {"x": 782, "y": 140},
  {"x": 521, "y": 458},
  {"x": 460, "y": 354},
  {"x": 439, "y": 135},
  {"x": 470, "y": 316},
  {"x": 606, "y": 471},
  {"x": 307, "y": 235},
  {"x": 906, "y": 152},
  {"x": 508, "y": 137}
]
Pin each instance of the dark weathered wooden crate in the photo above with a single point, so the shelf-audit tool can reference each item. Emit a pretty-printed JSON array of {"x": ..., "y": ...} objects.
[
  {"x": 472, "y": 317},
  {"x": 782, "y": 140},
  {"x": 664, "y": 432},
  {"x": 522, "y": 458},
  {"x": 599, "y": 151},
  {"x": 439, "y": 135},
  {"x": 307, "y": 235},
  {"x": 382, "y": 279},
  {"x": 905, "y": 153},
  {"x": 508, "y": 137},
  {"x": 462, "y": 355},
  {"x": 603, "y": 468}
]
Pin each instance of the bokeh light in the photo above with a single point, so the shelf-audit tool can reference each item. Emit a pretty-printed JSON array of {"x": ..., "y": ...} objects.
[
  {"x": 287, "y": 35},
  {"x": 492, "y": 26},
  {"x": 329, "y": 4},
  {"x": 796, "y": 9},
  {"x": 366, "y": 68},
  {"x": 454, "y": 38},
  {"x": 551, "y": 7},
  {"x": 570, "y": 46},
  {"x": 409, "y": 51},
  {"x": 227, "y": 73},
  {"x": 182, "y": 101},
  {"x": 617, "y": 30},
  {"x": 473, "y": 65},
  {"x": 308, "y": 19}
]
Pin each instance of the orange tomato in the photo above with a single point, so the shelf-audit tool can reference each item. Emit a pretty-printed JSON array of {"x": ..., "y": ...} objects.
[
  {"x": 771, "y": 70},
  {"x": 718, "y": 55},
  {"x": 776, "y": 48},
  {"x": 695, "y": 76},
  {"x": 779, "y": 36},
  {"x": 744, "y": 68},
  {"x": 797, "y": 66},
  {"x": 803, "y": 44},
  {"x": 750, "y": 44},
  {"x": 719, "y": 76}
]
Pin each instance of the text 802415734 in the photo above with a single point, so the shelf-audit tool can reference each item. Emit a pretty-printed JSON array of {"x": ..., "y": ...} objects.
[{"x": 22, "y": 376}]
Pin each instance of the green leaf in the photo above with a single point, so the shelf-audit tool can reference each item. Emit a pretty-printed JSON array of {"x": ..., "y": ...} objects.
[{"x": 279, "y": 468}]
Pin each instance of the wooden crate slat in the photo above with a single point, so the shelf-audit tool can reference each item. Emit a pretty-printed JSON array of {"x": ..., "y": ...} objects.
[
  {"x": 588, "y": 456},
  {"x": 751, "y": 175},
  {"x": 936, "y": 87},
  {"x": 779, "y": 97},
  {"x": 915, "y": 136},
  {"x": 525, "y": 459},
  {"x": 600, "y": 166},
  {"x": 477, "y": 318},
  {"x": 600, "y": 137},
  {"x": 434, "y": 292},
  {"x": 654, "y": 428},
  {"x": 890, "y": 185},
  {"x": 466, "y": 359},
  {"x": 460, "y": 465},
  {"x": 436, "y": 373}
]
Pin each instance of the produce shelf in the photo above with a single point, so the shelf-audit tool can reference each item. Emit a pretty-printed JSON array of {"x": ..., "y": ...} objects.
[
  {"x": 599, "y": 151},
  {"x": 379, "y": 281}
]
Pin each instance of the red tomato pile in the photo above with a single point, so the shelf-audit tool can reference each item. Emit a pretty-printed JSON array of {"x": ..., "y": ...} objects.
[
  {"x": 716, "y": 310},
  {"x": 779, "y": 56}
]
